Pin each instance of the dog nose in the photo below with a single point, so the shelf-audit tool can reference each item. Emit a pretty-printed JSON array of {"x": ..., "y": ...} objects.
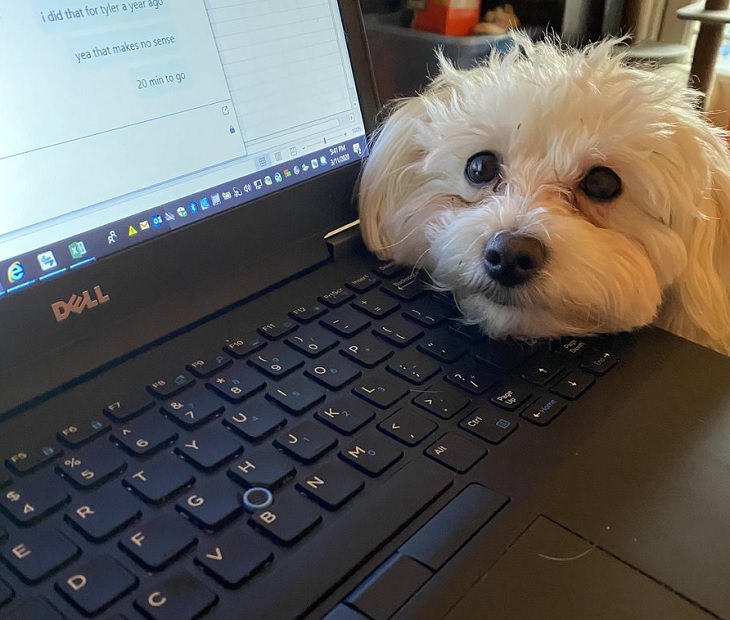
[{"x": 512, "y": 259}]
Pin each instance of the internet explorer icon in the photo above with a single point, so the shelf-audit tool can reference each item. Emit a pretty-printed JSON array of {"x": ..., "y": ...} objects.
[{"x": 16, "y": 272}]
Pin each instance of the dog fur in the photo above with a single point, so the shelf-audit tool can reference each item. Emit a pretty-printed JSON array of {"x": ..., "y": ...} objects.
[{"x": 658, "y": 252}]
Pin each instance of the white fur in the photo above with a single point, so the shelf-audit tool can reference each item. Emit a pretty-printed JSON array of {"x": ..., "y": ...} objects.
[{"x": 658, "y": 252}]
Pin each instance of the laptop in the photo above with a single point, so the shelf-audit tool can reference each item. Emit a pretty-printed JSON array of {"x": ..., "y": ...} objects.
[{"x": 216, "y": 404}]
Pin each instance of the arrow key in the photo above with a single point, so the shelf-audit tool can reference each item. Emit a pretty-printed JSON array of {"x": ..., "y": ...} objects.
[
  {"x": 573, "y": 385},
  {"x": 408, "y": 426},
  {"x": 235, "y": 557}
]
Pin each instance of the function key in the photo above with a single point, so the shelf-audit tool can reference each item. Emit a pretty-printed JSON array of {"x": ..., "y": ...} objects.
[
  {"x": 573, "y": 385},
  {"x": 128, "y": 406},
  {"x": 306, "y": 314},
  {"x": 408, "y": 287},
  {"x": 376, "y": 305},
  {"x": 165, "y": 387},
  {"x": 277, "y": 329},
  {"x": 236, "y": 383},
  {"x": 389, "y": 269},
  {"x": 206, "y": 366},
  {"x": 489, "y": 424},
  {"x": 26, "y": 461},
  {"x": 444, "y": 402},
  {"x": 456, "y": 452},
  {"x": 75, "y": 435},
  {"x": 544, "y": 410},
  {"x": 363, "y": 283},
  {"x": 336, "y": 297},
  {"x": 244, "y": 346}
]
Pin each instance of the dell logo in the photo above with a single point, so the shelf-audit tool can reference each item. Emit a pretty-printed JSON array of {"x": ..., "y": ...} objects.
[{"x": 78, "y": 303}]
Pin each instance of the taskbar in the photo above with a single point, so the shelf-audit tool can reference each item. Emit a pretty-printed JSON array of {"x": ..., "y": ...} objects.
[{"x": 56, "y": 259}]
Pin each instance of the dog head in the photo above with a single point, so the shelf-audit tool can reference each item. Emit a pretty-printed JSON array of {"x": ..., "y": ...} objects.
[{"x": 557, "y": 192}]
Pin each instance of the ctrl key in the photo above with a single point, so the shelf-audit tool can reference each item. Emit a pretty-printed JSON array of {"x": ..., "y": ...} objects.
[{"x": 178, "y": 597}]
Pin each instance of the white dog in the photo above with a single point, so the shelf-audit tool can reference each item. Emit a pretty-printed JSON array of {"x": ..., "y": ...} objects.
[{"x": 558, "y": 192}]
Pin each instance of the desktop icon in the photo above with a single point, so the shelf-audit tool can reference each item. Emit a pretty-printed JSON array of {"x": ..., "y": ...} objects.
[
  {"x": 111, "y": 238},
  {"x": 132, "y": 231},
  {"x": 204, "y": 203},
  {"x": 287, "y": 173},
  {"x": 258, "y": 183},
  {"x": 16, "y": 272},
  {"x": 278, "y": 178},
  {"x": 323, "y": 160},
  {"x": 77, "y": 249},
  {"x": 144, "y": 225},
  {"x": 268, "y": 181},
  {"x": 169, "y": 217},
  {"x": 227, "y": 195},
  {"x": 157, "y": 221},
  {"x": 237, "y": 193},
  {"x": 182, "y": 212},
  {"x": 357, "y": 149},
  {"x": 47, "y": 260},
  {"x": 193, "y": 206},
  {"x": 305, "y": 167},
  {"x": 215, "y": 199},
  {"x": 297, "y": 169},
  {"x": 315, "y": 164}
]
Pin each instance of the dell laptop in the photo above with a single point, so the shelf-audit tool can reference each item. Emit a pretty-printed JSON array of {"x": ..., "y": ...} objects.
[{"x": 215, "y": 403}]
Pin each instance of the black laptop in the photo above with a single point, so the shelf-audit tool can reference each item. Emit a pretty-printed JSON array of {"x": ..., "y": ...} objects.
[{"x": 215, "y": 403}]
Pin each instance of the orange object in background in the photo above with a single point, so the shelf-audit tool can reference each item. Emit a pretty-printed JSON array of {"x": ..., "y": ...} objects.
[{"x": 453, "y": 17}]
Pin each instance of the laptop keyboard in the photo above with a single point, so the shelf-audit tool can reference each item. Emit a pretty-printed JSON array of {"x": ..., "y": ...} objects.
[{"x": 283, "y": 441}]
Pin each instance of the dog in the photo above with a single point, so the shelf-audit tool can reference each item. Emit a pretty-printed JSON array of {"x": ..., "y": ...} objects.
[{"x": 558, "y": 192}]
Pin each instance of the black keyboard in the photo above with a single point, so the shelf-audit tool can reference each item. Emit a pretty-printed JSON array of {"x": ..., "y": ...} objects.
[{"x": 276, "y": 447}]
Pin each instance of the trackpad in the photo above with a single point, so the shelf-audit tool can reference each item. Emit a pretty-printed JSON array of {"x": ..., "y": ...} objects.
[{"x": 550, "y": 573}]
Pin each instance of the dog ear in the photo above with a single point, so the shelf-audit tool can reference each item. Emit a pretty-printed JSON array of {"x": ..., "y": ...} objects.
[{"x": 703, "y": 290}]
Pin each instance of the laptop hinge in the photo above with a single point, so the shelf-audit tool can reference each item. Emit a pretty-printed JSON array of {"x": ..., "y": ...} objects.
[{"x": 344, "y": 241}]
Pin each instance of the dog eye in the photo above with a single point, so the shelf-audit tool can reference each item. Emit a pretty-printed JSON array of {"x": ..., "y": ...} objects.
[
  {"x": 482, "y": 168},
  {"x": 601, "y": 183}
]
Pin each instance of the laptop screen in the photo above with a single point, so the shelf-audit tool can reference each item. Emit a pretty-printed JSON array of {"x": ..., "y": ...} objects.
[{"x": 121, "y": 121}]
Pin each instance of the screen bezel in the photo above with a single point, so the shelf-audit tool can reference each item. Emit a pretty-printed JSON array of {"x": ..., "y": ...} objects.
[{"x": 160, "y": 286}]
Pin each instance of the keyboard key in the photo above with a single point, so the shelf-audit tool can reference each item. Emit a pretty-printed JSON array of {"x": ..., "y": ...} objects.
[
  {"x": 456, "y": 452},
  {"x": 503, "y": 355},
  {"x": 336, "y": 297},
  {"x": 91, "y": 466},
  {"x": 244, "y": 345},
  {"x": 363, "y": 283},
  {"x": 332, "y": 485},
  {"x": 157, "y": 480},
  {"x": 427, "y": 312},
  {"x": 255, "y": 419},
  {"x": 489, "y": 424},
  {"x": 28, "y": 501},
  {"x": 31, "y": 459},
  {"x": 380, "y": 389},
  {"x": 450, "y": 529},
  {"x": 277, "y": 361},
  {"x": 333, "y": 371},
  {"x": 307, "y": 313},
  {"x": 277, "y": 329},
  {"x": 388, "y": 589},
  {"x": 209, "y": 448},
  {"x": 33, "y": 609},
  {"x": 511, "y": 395},
  {"x": 442, "y": 401},
  {"x": 413, "y": 367},
  {"x": 296, "y": 394},
  {"x": 573, "y": 385},
  {"x": 194, "y": 408},
  {"x": 544, "y": 410},
  {"x": 313, "y": 341},
  {"x": 372, "y": 453},
  {"x": 442, "y": 347},
  {"x": 265, "y": 468},
  {"x": 176, "y": 597},
  {"x": 288, "y": 519},
  {"x": 599, "y": 362},
  {"x": 306, "y": 442},
  {"x": 144, "y": 436},
  {"x": 209, "y": 364},
  {"x": 128, "y": 406},
  {"x": 75, "y": 435},
  {"x": 408, "y": 426},
  {"x": 389, "y": 270},
  {"x": 346, "y": 414},
  {"x": 235, "y": 557},
  {"x": 103, "y": 513},
  {"x": 345, "y": 322},
  {"x": 35, "y": 554},
  {"x": 570, "y": 347},
  {"x": 237, "y": 383},
  {"x": 367, "y": 351},
  {"x": 470, "y": 333},
  {"x": 212, "y": 504},
  {"x": 407, "y": 287},
  {"x": 94, "y": 585},
  {"x": 543, "y": 370},
  {"x": 156, "y": 543},
  {"x": 473, "y": 378},
  {"x": 166, "y": 387},
  {"x": 398, "y": 331},
  {"x": 376, "y": 305}
]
